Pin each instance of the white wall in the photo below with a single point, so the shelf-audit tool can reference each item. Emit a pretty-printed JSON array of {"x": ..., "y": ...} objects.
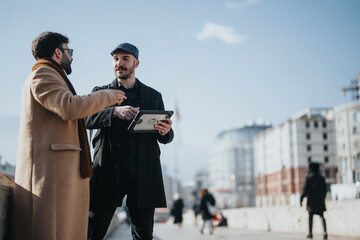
[{"x": 342, "y": 219}]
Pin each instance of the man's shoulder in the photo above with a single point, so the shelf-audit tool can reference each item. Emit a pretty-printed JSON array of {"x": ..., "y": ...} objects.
[
  {"x": 148, "y": 88},
  {"x": 98, "y": 88},
  {"x": 104, "y": 87},
  {"x": 44, "y": 74},
  {"x": 44, "y": 69}
]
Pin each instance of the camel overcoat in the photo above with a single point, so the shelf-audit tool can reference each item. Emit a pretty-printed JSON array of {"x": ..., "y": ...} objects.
[{"x": 51, "y": 199}]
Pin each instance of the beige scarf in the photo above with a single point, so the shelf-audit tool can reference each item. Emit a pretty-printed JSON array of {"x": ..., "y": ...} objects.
[{"x": 85, "y": 159}]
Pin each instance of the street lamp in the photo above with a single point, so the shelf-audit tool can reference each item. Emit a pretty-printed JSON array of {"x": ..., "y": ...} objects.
[{"x": 233, "y": 190}]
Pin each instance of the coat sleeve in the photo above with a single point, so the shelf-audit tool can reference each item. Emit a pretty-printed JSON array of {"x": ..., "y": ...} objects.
[
  {"x": 304, "y": 192},
  {"x": 324, "y": 186},
  {"x": 167, "y": 138},
  {"x": 103, "y": 118},
  {"x": 51, "y": 92}
]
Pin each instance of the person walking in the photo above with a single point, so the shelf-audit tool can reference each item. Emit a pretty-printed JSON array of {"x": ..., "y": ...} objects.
[
  {"x": 206, "y": 198},
  {"x": 315, "y": 192},
  {"x": 125, "y": 162},
  {"x": 53, "y": 164},
  {"x": 195, "y": 210},
  {"x": 177, "y": 210}
]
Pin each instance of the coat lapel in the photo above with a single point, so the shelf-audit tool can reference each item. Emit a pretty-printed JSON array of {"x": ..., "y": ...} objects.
[
  {"x": 114, "y": 84},
  {"x": 144, "y": 96}
]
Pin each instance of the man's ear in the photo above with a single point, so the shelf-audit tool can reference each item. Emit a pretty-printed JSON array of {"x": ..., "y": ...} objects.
[
  {"x": 137, "y": 63},
  {"x": 57, "y": 53}
]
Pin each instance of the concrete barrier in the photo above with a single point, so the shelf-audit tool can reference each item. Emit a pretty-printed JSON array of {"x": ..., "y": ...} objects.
[
  {"x": 342, "y": 219},
  {"x": 6, "y": 196}
]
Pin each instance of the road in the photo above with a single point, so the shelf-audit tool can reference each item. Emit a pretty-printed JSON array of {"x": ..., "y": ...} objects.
[{"x": 167, "y": 231}]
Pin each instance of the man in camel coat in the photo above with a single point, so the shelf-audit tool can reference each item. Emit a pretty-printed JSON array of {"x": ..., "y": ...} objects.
[{"x": 51, "y": 197}]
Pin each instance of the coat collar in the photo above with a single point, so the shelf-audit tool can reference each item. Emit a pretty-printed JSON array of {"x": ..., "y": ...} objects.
[{"x": 144, "y": 97}]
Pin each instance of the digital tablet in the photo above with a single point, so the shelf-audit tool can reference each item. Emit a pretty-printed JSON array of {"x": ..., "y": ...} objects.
[{"x": 145, "y": 120}]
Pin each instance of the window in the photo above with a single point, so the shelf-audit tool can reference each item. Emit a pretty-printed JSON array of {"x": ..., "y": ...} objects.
[
  {"x": 358, "y": 161},
  {"x": 326, "y": 159},
  {"x": 285, "y": 189},
  {"x": 324, "y": 124},
  {"x": 308, "y": 136},
  {"x": 325, "y": 147},
  {"x": 325, "y": 136},
  {"x": 309, "y": 159},
  {"x": 356, "y": 116},
  {"x": 316, "y": 124},
  {"x": 308, "y": 147},
  {"x": 307, "y": 124},
  {"x": 343, "y": 164},
  {"x": 354, "y": 130},
  {"x": 327, "y": 173}
]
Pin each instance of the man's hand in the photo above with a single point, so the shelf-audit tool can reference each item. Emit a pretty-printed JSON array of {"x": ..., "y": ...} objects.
[
  {"x": 125, "y": 112},
  {"x": 119, "y": 95},
  {"x": 163, "y": 127}
]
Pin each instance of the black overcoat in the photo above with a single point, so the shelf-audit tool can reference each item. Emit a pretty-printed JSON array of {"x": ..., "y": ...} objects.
[
  {"x": 315, "y": 191},
  {"x": 177, "y": 210},
  {"x": 203, "y": 208},
  {"x": 104, "y": 183}
]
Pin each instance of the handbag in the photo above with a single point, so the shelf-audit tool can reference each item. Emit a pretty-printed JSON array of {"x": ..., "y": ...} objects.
[{"x": 213, "y": 210}]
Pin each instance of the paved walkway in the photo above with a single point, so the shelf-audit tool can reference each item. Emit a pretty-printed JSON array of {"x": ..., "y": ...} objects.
[
  {"x": 171, "y": 232},
  {"x": 166, "y": 231}
]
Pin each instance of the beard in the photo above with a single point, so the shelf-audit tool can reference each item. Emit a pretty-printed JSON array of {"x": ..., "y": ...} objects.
[
  {"x": 129, "y": 72},
  {"x": 65, "y": 63}
]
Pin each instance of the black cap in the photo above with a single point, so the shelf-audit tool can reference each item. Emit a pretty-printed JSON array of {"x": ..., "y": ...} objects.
[{"x": 127, "y": 47}]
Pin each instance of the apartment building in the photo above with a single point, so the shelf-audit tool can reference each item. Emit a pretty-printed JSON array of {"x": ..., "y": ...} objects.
[
  {"x": 231, "y": 170},
  {"x": 282, "y": 155},
  {"x": 347, "y": 122}
]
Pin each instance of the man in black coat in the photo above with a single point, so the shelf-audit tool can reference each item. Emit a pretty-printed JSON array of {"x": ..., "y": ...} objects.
[
  {"x": 315, "y": 191},
  {"x": 127, "y": 163}
]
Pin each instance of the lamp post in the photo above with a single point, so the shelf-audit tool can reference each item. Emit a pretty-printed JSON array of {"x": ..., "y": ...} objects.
[{"x": 233, "y": 190}]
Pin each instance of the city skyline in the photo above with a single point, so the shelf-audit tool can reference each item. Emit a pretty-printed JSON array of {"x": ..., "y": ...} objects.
[{"x": 221, "y": 62}]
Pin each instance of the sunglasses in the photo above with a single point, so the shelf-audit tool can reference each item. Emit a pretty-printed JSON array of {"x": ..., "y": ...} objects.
[{"x": 71, "y": 51}]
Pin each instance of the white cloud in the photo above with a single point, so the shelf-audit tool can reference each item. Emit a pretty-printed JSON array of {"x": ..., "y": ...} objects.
[
  {"x": 241, "y": 4},
  {"x": 224, "y": 33}
]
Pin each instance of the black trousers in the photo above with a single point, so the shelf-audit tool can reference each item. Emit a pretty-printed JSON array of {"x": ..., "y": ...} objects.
[
  {"x": 323, "y": 222},
  {"x": 142, "y": 219}
]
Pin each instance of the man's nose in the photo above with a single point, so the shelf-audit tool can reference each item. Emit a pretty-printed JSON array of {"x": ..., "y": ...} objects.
[{"x": 118, "y": 63}]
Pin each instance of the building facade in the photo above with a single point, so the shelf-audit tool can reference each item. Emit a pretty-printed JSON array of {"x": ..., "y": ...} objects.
[
  {"x": 231, "y": 169},
  {"x": 347, "y": 121},
  {"x": 282, "y": 155}
]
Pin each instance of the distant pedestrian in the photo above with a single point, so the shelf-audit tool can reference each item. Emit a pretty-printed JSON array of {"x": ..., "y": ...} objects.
[
  {"x": 177, "y": 210},
  {"x": 195, "y": 209},
  {"x": 205, "y": 199},
  {"x": 315, "y": 191}
]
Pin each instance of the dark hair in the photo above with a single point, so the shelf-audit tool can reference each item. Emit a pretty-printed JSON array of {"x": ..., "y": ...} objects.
[
  {"x": 314, "y": 167},
  {"x": 203, "y": 192},
  {"x": 45, "y": 44}
]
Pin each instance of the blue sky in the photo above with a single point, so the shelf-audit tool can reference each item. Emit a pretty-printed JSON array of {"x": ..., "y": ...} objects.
[{"x": 223, "y": 62}]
